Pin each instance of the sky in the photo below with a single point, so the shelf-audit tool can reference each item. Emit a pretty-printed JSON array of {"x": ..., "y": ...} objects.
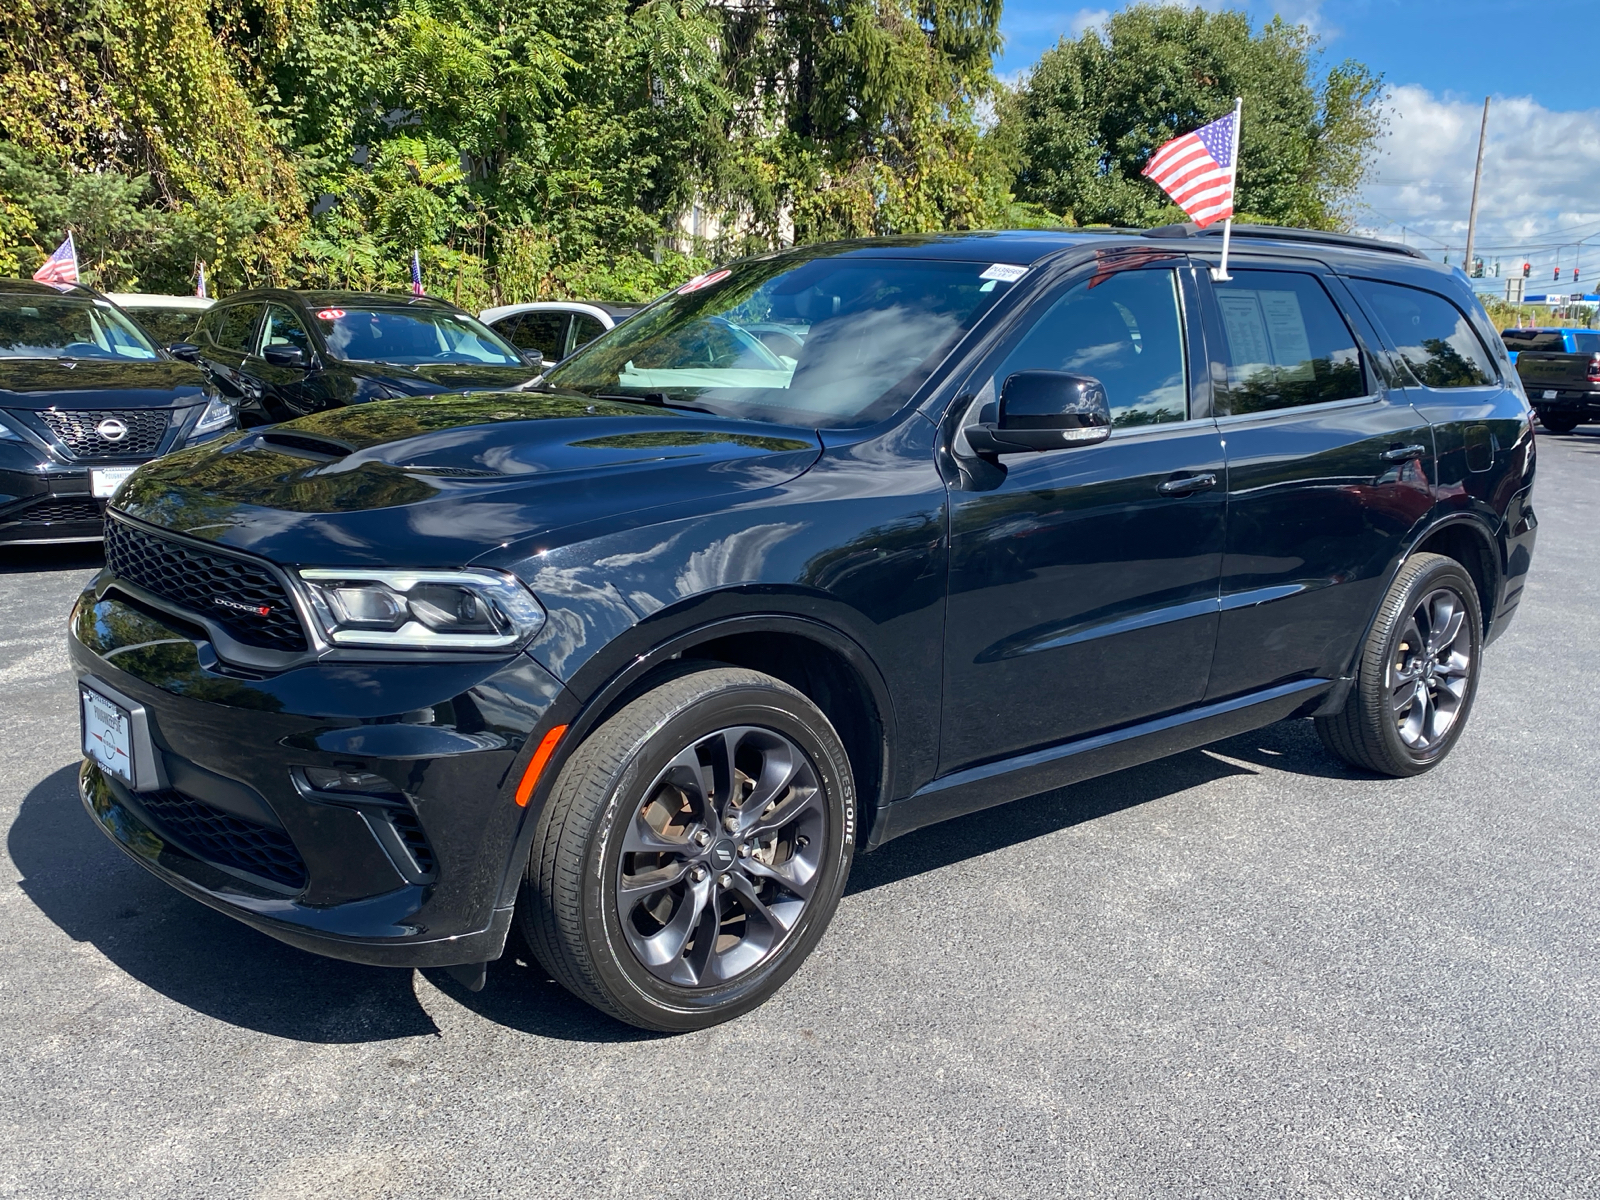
[{"x": 1440, "y": 58}]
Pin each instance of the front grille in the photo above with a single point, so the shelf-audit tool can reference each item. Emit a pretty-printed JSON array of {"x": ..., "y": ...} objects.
[
  {"x": 410, "y": 830},
  {"x": 57, "y": 508},
  {"x": 201, "y": 581},
  {"x": 222, "y": 838},
  {"x": 79, "y": 429}
]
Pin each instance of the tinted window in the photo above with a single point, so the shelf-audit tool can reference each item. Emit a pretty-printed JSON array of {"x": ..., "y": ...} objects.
[
  {"x": 232, "y": 326},
  {"x": 868, "y": 332},
  {"x": 585, "y": 329},
  {"x": 1534, "y": 339},
  {"x": 1127, "y": 332},
  {"x": 1432, "y": 334},
  {"x": 407, "y": 336},
  {"x": 283, "y": 328},
  {"x": 1586, "y": 343},
  {"x": 35, "y": 326},
  {"x": 539, "y": 333},
  {"x": 167, "y": 325},
  {"x": 1286, "y": 343}
]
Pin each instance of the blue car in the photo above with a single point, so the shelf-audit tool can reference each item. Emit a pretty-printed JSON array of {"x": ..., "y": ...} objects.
[{"x": 1557, "y": 341}]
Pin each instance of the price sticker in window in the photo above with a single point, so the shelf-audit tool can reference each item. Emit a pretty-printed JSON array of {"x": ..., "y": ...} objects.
[{"x": 1004, "y": 272}]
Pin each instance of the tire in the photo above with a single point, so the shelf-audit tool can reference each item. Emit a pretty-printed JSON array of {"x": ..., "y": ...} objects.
[
  {"x": 673, "y": 909},
  {"x": 1406, "y": 709},
  {"x": 1558, "y": 424}
]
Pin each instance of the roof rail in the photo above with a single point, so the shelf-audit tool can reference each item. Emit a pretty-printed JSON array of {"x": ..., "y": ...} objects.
[{"x": 1283, "y": 233}]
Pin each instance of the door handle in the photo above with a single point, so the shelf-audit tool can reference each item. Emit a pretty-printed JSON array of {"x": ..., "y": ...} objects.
[
  {"x": 1188, "y": 484},
  {"x": 1403, "y": 453}
]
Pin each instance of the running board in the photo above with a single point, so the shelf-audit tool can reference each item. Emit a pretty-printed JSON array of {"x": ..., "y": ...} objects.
[{"x": 976, "y": 788}]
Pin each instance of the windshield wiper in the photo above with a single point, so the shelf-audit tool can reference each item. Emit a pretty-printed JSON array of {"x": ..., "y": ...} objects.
[{"x": 658, "y": 399}]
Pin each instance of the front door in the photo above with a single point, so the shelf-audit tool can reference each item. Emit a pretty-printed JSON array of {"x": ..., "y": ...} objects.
[
  {"x": 1083, "y": 581},
  {"x": 283, "y": 388},
  {"x": 1328, "y": 470}
]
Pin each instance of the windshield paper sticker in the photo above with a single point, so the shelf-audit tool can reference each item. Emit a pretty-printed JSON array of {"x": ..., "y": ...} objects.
[
  {"x": 331, "y": 314},
  {"x": 1004, "y": 272}
]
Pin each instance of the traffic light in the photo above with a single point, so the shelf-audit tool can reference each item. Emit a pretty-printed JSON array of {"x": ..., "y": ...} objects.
[
  {"x": 1574, "y": 274},
  {"x": 1557, "y": 275},
  {"x": 1477, "y": 268},
  {"x": 1527, "y": 268}
]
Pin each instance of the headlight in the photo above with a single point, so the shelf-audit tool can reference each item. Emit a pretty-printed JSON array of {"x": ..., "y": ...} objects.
[
  {"x": 8, "y": 434},
  {"x": 218, "y": 414},
  {"x": 422, "y": 610}
]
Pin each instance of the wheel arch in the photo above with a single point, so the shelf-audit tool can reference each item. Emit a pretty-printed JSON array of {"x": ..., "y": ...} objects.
[{"x": 827, "y": 665}]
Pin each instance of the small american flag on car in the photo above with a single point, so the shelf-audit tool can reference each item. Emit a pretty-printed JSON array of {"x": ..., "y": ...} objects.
[
  {"x": 1197, "y": 170},
  {"x": 60, "y": 267}
]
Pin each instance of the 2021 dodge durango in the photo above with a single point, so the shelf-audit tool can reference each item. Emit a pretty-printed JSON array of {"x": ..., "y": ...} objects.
[{"x": 640, "y": 661}]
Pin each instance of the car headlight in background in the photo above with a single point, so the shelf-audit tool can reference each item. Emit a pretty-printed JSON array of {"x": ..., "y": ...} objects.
[
  {"x": 422, "y": 610},
  {"x": 218, "y": 414}
]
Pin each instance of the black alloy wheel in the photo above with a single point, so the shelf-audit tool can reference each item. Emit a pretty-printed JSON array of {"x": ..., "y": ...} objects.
[
  {"x": 692, "y": 851},
  {"x": 1558, "y": 423},
  {"x": 1417, "y": 674}
]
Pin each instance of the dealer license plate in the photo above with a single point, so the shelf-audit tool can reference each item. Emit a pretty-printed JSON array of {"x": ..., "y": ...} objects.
[
  {"x": 103, "y": 481},
  {"x": 107, "y": 734},
  {"x": 1549, "y": 396}
]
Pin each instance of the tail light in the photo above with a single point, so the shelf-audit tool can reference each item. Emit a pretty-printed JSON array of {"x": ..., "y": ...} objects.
[{"x": 1594, "y": 369}]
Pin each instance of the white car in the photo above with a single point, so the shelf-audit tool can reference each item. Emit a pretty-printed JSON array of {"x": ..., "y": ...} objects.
[
  {"x": 167, "y": 319},
  {"x": 553, "y": 329}
]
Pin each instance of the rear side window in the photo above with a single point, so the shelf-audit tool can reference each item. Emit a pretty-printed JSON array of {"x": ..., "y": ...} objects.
[
  {"x": 1586, "y": 343},
  {"x": 1432, "y": 334},
  {"x": 543, "y": 333},
  {"x": 1287, "y": 345},
  {"x": 585, "y": 329}
]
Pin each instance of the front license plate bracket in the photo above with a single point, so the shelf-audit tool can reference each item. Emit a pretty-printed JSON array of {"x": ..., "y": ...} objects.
[{"x": 101, "y": 710}]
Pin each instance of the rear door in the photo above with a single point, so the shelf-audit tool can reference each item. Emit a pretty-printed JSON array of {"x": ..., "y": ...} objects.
[
  {"x": 1329, "y": 469},
  {"x": 541, "y": 334},
  {"x": 1083, "y": 581}
]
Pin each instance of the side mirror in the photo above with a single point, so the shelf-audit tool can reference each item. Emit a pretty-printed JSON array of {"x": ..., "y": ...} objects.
[
  {"x": 187, "y": 351},
  {"x": 285, "y": 356},
  {"x": 1045, "y": 410}
]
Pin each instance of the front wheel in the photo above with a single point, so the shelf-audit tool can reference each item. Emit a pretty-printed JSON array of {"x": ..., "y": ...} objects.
[
  {"x": 1417, "y": 674},
  {"x": 1558, "y": 424},
  {"x": 692, "y": 851}
]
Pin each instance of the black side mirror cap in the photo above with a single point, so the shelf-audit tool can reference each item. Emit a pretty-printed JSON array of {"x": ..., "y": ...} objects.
[
  {"x": 1045, "y": 410},
  {"x": 187, "y": 351},
  {"x": 285, "y": 356}
]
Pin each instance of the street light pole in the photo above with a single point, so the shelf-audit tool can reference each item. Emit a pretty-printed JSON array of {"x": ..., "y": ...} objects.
[{"x": 1477, "y": 178}]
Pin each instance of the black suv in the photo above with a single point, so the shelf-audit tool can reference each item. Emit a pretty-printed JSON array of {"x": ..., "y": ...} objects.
[
  {"x": 85, "y": 397},
  {"x": 642, "y": 659},
  {"x": 281, "y": 354}
]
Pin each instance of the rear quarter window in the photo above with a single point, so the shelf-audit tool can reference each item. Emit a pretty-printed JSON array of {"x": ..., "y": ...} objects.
[{"x": 1432, "y": 334}]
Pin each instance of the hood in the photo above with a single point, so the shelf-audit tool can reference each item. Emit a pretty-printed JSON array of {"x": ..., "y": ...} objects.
[
  {"x": 427, "y": 378},
  {"x": 40, "y": 383},
  {"x": 443, "y": 480}
]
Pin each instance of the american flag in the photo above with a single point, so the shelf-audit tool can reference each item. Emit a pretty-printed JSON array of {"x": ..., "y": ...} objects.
[
  {"x": 416, "y": 273},
  {"x": 1196, "y": 170},
  {"x": 60, "y": 267}
]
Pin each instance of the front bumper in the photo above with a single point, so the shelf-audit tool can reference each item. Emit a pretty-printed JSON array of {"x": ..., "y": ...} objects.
[
  {"x": 50, "y": 502},
  {"x": 424, "y": 876}
]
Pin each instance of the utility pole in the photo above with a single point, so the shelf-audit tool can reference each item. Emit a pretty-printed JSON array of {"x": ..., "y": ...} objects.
[{"x": 1477, "y": 178}]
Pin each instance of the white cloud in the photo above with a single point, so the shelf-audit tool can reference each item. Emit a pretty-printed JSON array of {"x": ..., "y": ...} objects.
[{"x": 1541, "y": 179}]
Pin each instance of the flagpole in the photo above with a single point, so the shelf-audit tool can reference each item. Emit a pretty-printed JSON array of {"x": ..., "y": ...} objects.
[{"x": 1221, "y": 273}]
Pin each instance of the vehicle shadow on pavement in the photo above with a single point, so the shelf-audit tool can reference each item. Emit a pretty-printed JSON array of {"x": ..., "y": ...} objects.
[
  {"x": 1287, "y": 746},
  {"x": 216, "y": 966},
  {"x": 79, "y": 556}
]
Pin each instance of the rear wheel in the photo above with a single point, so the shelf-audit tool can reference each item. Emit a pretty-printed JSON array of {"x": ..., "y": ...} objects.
[
  {"x": 692, "y": 851},
  {"x": 1417, "y": 674},
  {"x": 1558, "y": 423}
]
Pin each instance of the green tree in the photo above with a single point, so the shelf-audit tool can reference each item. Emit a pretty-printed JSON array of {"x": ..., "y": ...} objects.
[{"x": 1090, "y": 115}]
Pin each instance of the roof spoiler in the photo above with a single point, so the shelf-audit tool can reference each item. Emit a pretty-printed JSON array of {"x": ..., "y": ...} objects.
[{"x": 1281, "y": 233}]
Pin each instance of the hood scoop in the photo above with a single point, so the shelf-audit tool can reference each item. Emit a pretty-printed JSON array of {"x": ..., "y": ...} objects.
[{"x": 304, "y": 445}]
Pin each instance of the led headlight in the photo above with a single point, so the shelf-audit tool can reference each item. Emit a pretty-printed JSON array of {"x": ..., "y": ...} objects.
[
  {"x": 422, "y": 610},
  {"x": 218, "y": 414}
]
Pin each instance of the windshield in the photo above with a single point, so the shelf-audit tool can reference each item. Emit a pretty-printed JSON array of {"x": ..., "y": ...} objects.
[
  {"x": 411, "y": 337},
  {"x": 167, "y": 325},
  {"x": 33, "y": 326},
  {"x": 821, "y": 342}
]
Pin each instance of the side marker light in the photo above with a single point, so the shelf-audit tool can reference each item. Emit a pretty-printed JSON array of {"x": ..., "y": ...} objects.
[{"x": 541, "y": 756}]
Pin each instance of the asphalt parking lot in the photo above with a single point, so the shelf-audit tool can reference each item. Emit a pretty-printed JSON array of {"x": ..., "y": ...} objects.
[{"x": 1243, "y": 971}]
